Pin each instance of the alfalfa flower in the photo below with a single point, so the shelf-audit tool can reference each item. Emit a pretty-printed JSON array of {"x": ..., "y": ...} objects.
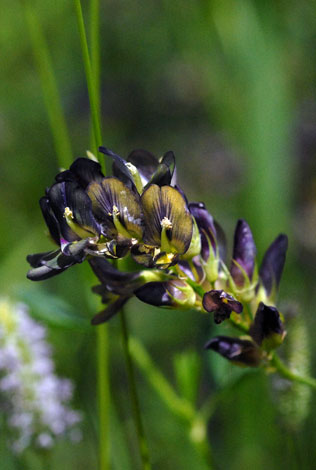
[{"x": 168, "y": 226}]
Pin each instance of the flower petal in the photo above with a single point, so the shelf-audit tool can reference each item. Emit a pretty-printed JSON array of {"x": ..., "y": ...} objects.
[
  {"x": 205, "y": 223},
  {"x": 267, "y": 327},
  {"x": 46, "y": 265},
  {"x": 82, "y": 171},
  {"x": 222, "y": 304},
  {"x": 273, "y": 263},
  {"x": 69, "y": 195},
  {"x": 120, "y": 169},
  {"x": 244, "y": 253},
  {"x": 110, "y": 199},
  {"x": 166, "y": 205},
  {"x": 154, "y": 293},
  {"x": 145, "y": 162},
  {"x": 50, "y": 219},
  {"x": 165, "y": 170},
  {"x": 112, "y": 279}
]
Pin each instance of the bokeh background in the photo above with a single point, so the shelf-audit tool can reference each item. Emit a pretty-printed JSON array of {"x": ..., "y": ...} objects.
[{"x": 230, "y": 87}]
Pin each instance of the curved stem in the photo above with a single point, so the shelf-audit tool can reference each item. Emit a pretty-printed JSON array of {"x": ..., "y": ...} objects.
[
  {"x": 285, "y": 372},
  {"x": 143, "y": 447}
]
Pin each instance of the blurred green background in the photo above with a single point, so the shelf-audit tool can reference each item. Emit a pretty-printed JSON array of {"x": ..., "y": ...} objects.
[{"x": 230, "y": 87}]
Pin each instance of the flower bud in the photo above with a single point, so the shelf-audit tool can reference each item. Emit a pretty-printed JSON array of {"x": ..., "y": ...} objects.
[
  {"x": 272, "y": 265},
  {"x": 244, "y": 254},
  {"x": 267, "y": 330}
]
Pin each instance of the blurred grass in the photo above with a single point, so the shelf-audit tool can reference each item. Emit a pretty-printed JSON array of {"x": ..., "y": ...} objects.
[{"x": 223, "y": 85}]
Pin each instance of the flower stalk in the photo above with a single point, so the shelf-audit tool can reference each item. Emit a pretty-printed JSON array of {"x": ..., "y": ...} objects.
[{"x": 285, "y": 372}]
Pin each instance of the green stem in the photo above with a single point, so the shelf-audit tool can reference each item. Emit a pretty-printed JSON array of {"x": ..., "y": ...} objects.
[
  {"x": 285, "y": 372},
  {"x": 142, "y": 442},
  {"x": 103, "y": 396},
  {"x": 92, "y": 79},
  {"x": 241, "y": 326},
  {"x": 91, "y": 82},
  {"x": 95, "y": 50},
  {"x": 95, "y": 58},
  {"x": 49, "y": 86}
]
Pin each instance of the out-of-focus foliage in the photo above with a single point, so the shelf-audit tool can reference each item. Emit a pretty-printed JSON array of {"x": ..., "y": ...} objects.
[{"x": 230, "y": 87}]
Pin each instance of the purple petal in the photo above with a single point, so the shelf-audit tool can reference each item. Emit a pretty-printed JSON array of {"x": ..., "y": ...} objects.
[
  {"x": 273, "y": 263},
  {"x": 244, "y": 252}
]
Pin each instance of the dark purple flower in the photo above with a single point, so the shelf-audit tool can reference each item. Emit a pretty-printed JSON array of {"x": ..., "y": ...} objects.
[
  {"x": 273, "y": 263},
  {"x": 206, "y": 226},
  {"x": 82, "y": 171},
  {"x": 222, "y": 304},
  {"x": 142, "y": 168},
  {"x": 267, "y": 329},
  {"x": 244, "y": 254},
  {"x": 168, "y": 224},
  {"x": 67, "y": 211},
  {"x": 239, "y": 351},
  {"x": 116, "y": 208}
]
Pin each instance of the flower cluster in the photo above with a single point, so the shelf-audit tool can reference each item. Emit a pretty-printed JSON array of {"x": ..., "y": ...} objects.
[
  {"x": 176, "y": 249},
  {"x": 33, "y": 400}
]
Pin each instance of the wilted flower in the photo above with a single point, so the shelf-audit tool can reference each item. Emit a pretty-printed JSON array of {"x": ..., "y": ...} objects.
[
  {"x": 240, "y": 351},
  {"x": 33, "y": 400},
  {"x": 222, "y": 304}
]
